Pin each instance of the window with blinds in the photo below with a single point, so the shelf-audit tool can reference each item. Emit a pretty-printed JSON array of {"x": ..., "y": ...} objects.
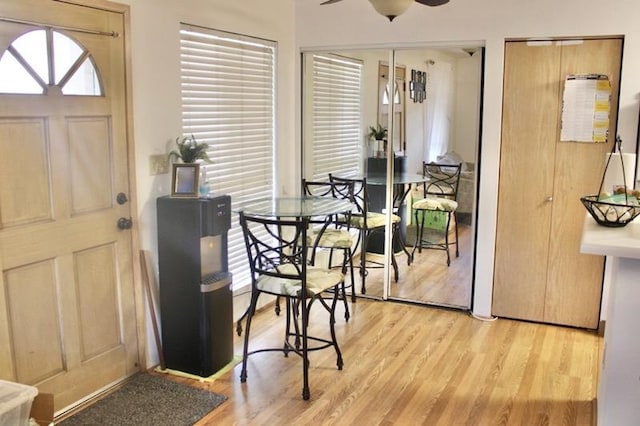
[
  {"x": 228, "y": 89},
  {"x": 337, "y": 116}
]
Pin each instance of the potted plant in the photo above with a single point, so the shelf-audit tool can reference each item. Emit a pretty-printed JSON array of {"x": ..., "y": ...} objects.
[
  {"x": 379, "y": 134},
  {"x": 189, "y": 150}
]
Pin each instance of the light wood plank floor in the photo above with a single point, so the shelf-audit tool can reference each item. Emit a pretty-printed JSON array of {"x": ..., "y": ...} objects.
[
  {"x": 428, "y": 279},
  {"x": 414, "y": 365}
]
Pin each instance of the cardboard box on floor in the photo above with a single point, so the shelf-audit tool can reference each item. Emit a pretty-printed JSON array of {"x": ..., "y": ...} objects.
[{"x": 42, "y": 409}]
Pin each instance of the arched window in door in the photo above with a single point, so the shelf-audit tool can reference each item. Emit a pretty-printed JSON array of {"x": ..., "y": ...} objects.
[
  {"x": 384, "y": 91},
  {"x": 41, "y": 59}
]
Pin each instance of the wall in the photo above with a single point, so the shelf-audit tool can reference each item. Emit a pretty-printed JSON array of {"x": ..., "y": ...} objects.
[
  {"x": 466, "y": 122},
  {"x": 488, "y": 23},
  {"x": 156, "y": 89}
]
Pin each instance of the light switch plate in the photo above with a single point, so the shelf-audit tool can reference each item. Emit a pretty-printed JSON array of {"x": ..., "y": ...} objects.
[{"x": 158, "y": 164}]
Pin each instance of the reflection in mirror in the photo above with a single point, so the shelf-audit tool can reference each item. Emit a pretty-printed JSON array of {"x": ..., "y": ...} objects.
[{"x": 344, "y": 93}]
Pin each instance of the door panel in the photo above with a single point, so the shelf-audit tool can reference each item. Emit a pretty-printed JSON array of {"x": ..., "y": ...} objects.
[
  {"x": 526, "y": 179},
  {"x": 28, "y": 198},
  {"x": 89, "y": 140},
  {"x": 31, "y": 294},
  {"x": 67, "y": 317},
  {"x": 575, "y": 279}
]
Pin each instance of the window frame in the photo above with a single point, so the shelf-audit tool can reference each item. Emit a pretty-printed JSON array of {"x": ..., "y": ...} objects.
[
  {"x": 228, "y": 89},
  {"x": 334, "y": 128}
]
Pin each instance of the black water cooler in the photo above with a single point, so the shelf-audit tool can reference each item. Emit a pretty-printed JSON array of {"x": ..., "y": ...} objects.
[{"x": 196, "y": 305}]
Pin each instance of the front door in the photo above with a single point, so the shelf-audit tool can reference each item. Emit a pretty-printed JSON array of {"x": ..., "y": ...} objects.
[{"x": 67, "y": 311}]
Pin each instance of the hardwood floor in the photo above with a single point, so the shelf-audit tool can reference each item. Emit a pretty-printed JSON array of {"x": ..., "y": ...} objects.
[
  {"x": 428, "y": 279},
  {"x": 407, "y": 364}
]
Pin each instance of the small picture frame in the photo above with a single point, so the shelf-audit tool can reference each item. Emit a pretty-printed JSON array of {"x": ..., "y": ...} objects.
[{"x": 184, "y": 181}]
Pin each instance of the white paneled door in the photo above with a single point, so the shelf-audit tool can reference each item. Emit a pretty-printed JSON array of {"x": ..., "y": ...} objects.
[{"x": 67, "y": 311}]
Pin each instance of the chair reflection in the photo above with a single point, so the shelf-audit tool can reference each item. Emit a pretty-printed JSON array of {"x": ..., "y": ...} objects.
[
  {"x": 437, "y": 210},
  {"x": 368, "y": 223}
]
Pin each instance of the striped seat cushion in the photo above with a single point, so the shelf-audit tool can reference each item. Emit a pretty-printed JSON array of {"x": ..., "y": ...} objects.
[
  {"x": 318, "y": 280},
  {"x": 374, "y": 220},
  {"x": 331, "y": 238},
  {"x": 435, "y": 203}
]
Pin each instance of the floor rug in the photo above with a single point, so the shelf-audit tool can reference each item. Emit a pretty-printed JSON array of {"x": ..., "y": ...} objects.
[{"x": 146, "y": 399}]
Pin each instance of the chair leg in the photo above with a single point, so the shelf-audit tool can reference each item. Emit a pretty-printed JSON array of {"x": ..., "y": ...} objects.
[
  {"x": 239, "y": 323},
  {"x": 446, "y": 240},
  {"x": 277, "y": 306},
  {"x": 332, "y": 322},
  {"x": 394, "y": 263},
  {"x": 420, "y": 230},
  {"x": 353, "y": 282},
  {"x": 306, "y": 393},
  {"x": 455, "y": 218},
  {"x": 347, "y": 315},
  {"x": 245, "y": 351},
  {"x": 294, "y": 303},
  {"x": 417, "y": 237},
  {"x": 363, "y": 261}
]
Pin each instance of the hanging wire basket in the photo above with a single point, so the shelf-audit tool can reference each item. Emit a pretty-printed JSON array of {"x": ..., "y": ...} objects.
[{"x": 613, "y": 210}]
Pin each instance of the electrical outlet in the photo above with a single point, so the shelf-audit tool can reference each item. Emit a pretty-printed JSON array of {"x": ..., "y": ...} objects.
[{"x": 158, "y": 164}]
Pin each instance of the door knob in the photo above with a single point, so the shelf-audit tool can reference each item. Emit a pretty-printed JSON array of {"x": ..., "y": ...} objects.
[
  {"x": 549, "y": 199},
  {"x": 124, "y": 223},
  {"x": 121, "y": 198}
]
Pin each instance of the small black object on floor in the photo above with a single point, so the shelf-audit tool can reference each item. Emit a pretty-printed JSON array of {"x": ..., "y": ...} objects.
[{"x": 146, "y": 399}]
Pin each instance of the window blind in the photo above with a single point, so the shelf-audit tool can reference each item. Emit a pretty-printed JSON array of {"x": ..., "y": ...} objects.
[
  {"x": 228, "y": 89},
  {"x": 337, "y": 116}
]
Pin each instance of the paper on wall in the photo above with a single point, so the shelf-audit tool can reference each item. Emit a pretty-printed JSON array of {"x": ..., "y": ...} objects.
[{"x": 586, "y": 103}]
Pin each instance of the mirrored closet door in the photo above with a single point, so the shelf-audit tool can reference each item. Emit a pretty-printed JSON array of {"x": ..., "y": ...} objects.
[{"x": 431, "y": 114}]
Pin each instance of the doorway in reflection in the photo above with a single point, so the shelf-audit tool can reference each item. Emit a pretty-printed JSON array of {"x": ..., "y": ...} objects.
[{"x": 344, "y": 93}]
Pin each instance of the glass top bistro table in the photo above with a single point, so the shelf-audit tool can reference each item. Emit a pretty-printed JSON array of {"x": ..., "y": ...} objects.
[
  {"x": 304, "y": 207},
  {"x": 293, "y": 207},
  {"x": 402, "y": 182}
]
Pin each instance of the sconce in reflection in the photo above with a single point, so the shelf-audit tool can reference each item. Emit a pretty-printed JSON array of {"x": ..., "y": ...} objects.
[{"x": 418, "y": 85}]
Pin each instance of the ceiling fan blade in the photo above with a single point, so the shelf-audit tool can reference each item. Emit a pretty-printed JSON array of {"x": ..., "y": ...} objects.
[
  {"x": 333, "y": 1},
  {"x": 432, "y": 2}
]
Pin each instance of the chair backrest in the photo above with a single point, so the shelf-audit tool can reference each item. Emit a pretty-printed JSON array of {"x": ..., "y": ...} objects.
[
  {"x": 443, "y": 179},
  {"x": 338, "y": 190},
  {"x": 359, "y": 196},
  {"x": 273, "y": 246}
]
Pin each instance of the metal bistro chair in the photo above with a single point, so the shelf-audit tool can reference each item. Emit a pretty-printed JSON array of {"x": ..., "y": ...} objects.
[
  {"x": 367, "y": 223},
  {"x": 326, "y": 234},
  {"x": 278, "y": 267},
  {"x": 438, "y": 208}
]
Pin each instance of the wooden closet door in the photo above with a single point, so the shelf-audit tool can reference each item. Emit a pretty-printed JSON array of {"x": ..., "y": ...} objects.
[{"x": 540, "y": 274}]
